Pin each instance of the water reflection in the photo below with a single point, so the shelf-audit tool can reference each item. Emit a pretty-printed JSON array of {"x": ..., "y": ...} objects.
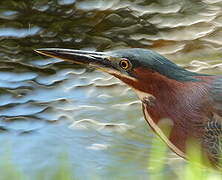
[
  {"x": 20, "y": 33},
  {"x": 48, "y": 106}
]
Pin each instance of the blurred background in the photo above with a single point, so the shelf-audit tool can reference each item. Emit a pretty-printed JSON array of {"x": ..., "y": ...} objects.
[{"x": 51, "y": 109}]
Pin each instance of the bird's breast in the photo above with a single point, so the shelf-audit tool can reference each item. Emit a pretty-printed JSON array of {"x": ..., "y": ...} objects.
[{"x": 162, "y": 126}]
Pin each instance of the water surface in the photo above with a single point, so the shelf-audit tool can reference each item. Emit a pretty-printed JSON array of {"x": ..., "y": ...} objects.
[{"x": 49, "y": 107}]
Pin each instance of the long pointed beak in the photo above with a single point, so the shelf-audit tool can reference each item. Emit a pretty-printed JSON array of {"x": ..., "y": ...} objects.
[{"x": 97, "y": 59}]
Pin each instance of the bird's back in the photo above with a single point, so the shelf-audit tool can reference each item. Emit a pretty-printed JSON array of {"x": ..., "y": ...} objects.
[{"x": 212, "y": 139}]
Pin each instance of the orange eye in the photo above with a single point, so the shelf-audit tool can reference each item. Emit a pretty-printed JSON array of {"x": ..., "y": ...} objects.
[{"x": 124, "y": 64}]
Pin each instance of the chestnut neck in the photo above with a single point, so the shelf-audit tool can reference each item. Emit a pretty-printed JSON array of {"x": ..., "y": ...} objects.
[{"x": 171, "y": 95}]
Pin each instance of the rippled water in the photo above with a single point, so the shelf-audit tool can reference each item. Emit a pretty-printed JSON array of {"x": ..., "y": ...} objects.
[{"x": 48, "y": 107}]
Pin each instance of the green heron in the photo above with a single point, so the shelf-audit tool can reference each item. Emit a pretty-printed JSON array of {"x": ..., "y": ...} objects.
[{"x": 190, "y": 103}]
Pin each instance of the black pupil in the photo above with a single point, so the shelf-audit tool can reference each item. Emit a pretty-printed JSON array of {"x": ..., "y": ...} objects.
[{"x": 124, "y": 64}]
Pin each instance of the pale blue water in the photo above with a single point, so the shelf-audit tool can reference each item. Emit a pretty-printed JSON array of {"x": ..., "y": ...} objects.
[{"x": 49, "y": 107}]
